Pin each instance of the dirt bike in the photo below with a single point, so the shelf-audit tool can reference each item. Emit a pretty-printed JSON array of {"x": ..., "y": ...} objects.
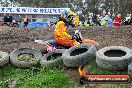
[{"x": 51, "y": 45}]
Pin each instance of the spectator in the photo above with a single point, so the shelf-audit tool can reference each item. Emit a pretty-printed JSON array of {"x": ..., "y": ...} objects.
[
  {"x": 76, "y": 20},
  {"x": 5, "y": 18},
  {"x": 55, "y": 20},
  {"x": 86, "y": 23},
  {"x": 90, "y": 20},
  {"x": 103, "y": 21},
  {"x": 95, "y": 20},
  {"x": 109, "y": 20},
  {"x": 128, "y": 19},
  {"x": 99, "y": 20},
  {"x": 117, "y": 21},
  {"x": 10, "y": 18},
  {"x": 20, "y": 21},
  {"x": 26, "y": 20}
]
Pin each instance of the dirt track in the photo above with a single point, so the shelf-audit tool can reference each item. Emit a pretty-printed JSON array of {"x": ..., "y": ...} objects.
[
  {"x": 18, "y": 38},
  {"x": 110, "y": 36}
]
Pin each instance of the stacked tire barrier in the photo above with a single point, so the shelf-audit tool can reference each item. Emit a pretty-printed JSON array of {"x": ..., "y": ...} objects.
[
  {"x": 111, "y": 58},
  {"x": 114, "y": 57},
  {"x": 47, "y": 61},
  {"x": 79, "y": 55},
  {"x": 72, "y": 57}
]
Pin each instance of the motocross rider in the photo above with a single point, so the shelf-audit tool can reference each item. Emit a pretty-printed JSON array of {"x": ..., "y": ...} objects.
[{"x": 63, "y": 37}]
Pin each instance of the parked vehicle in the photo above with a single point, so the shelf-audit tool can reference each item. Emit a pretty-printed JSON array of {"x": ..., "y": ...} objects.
[{"x": 11, "y": 24}]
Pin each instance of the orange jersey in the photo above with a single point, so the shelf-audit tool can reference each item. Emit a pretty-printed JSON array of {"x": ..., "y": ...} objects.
[{"x": 61, "y": 35}]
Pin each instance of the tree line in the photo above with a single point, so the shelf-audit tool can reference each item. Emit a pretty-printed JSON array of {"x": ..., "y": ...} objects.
[{"x": 86, "y": 6}]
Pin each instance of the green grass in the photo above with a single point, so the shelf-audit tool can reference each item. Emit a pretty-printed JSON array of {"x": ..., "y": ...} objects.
[
  {"x": 38, "y": 77},
  {"x": 34, "y": 77},
  {"x": 27, "y": 59}
]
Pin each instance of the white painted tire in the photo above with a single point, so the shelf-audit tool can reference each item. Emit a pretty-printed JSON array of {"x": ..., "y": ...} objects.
[
  {"x": 4, "y": 58},
  {"x": 85, "y": 52},
  {"x": 114, "y": 62},
  {"x": 23, "y": 64}
]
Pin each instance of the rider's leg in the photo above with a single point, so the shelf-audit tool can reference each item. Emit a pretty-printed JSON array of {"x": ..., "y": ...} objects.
[
  {"x": 89, "y": 41},
  {"x": 69, "y": 43}
]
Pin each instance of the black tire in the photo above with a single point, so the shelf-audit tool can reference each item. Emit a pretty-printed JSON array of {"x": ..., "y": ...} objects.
[
  {"x": 15, "y": 25},
  {"x": 45, "y": 62},
  {"x": 4, "y": 59},
  {"x": 85, "y": 52},
  {"x": 105, "y": 60},
  {"x": 22, "y": 64},
  {"x": 5, "y": 24}
]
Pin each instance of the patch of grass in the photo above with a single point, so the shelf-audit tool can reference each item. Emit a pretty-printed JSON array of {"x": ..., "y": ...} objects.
[
  {"x": 27, "y": 58},
  {"x": 47, "y": 79},
  {"x": 38, "y": 77},
  {"x": 35, "y": 77}
]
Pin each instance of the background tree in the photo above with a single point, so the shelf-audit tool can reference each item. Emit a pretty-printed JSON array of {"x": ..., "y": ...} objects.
[
  {"x": 4, "y": 3},
  {"x": 84, "y": 6},
  {"x": 117, "y": 6}
]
